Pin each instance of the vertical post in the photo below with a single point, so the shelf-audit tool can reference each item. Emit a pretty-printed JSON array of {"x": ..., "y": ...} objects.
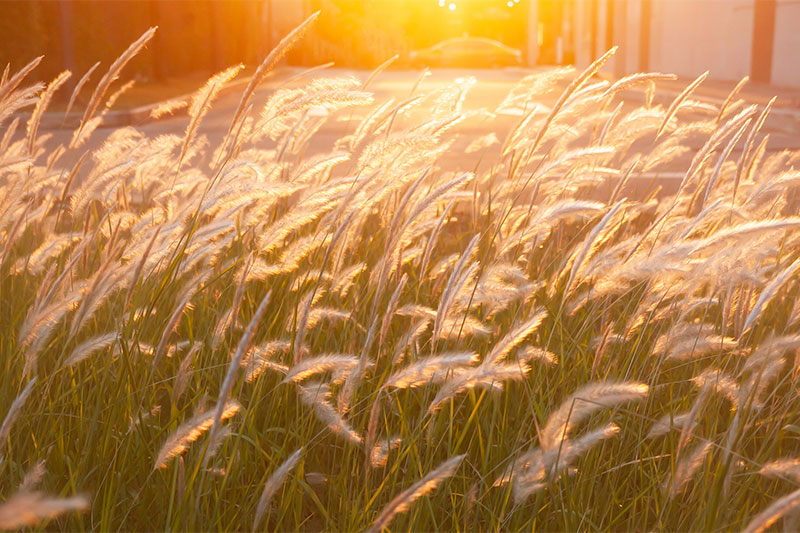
[
  {"x": 218, "y": 26},
  {"x": 618, "y": 35},
  {"x": 644, "y": 36},
  {"x": 763, "y": 40},
  {"x": 609, "y": 24},
  {"x": 67, "y": 46},
  {"x": 268, "y": 23},
  {"x": 582, "y": 34},
  {"x": 532, "y": 49},
  {"x": 161, "y": 67},
  {"x": 593, "y": 28},
  {"x": 631, "y": 24}
]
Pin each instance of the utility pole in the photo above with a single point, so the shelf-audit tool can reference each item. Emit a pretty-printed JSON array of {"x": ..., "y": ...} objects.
[
  {"x": 160, "y": 57},
  {"x": 644, "y": 35},
  {"x": 268, "y": 23},
  {"x": 532, "y": 33},
  {"x": 763, "y": 40},
  {"x": 218, "y": 26},
  {"x": 67, "y": 46}
]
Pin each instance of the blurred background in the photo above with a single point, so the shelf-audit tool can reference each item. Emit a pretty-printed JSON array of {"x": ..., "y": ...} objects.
[{"x": 731, "y": 38}]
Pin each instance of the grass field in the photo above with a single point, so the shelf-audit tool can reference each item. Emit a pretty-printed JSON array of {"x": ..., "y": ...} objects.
[{"x": 241, "y": 336}]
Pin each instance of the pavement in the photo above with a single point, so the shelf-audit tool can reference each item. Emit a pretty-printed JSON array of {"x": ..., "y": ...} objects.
[
  {"x": 489, "y": 91},
  {"x": 785, "y": 113},
  {"x": 787, "y": 99}
]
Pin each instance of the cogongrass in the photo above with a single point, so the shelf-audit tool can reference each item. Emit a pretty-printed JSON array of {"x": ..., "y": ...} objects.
[{"x": 525, "y": 336}]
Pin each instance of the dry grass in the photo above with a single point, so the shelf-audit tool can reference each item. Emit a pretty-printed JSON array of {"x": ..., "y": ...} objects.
[{"x": 539, "y": 349}]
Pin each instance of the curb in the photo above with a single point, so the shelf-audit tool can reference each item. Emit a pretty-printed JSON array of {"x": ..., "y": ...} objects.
[
  {"x": 138, "y": 116},
  {"x": 135, "y": 116},
  {"x": 787, "y": 112}
]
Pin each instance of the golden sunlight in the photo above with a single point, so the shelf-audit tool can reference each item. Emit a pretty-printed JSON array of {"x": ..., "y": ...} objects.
[{"x": 399, "y": 265}]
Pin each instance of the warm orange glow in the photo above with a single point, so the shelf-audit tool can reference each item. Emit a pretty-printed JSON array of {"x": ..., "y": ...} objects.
[{"x": 363, "y": 33}]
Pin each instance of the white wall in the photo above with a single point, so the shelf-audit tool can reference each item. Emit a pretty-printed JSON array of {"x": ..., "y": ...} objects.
[
  {"x": 632, "y": 28},
  {"x": 786, "y": 50},
  {"x": 688, "y": 37},
  {"x": 532, "y": 35},
  {"x": 582, "y": 35}
]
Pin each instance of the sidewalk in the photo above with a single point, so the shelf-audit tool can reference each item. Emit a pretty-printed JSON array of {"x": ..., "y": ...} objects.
[
  {"x": 755, "y": 93},
  {"x": 785, "y": 113},
  {"x": 136, "y": 116},
  {"x": 786, "y": 108}
]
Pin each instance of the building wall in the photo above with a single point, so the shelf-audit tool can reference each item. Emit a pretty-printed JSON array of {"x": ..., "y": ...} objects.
[
  {"x": 688, "y": 37},
  {"x": 625, "y": 21},
  {"x": 583, "y": 34},
  {"x": 786, "y": 51},
  {"x": 632, "y": 10}
]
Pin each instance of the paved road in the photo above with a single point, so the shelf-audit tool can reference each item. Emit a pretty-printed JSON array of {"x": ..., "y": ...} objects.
[{"x": 491, "y": 88}]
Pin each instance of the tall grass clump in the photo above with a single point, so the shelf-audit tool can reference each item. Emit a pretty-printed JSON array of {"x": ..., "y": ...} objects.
[{"x": 252, "y": 333}]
